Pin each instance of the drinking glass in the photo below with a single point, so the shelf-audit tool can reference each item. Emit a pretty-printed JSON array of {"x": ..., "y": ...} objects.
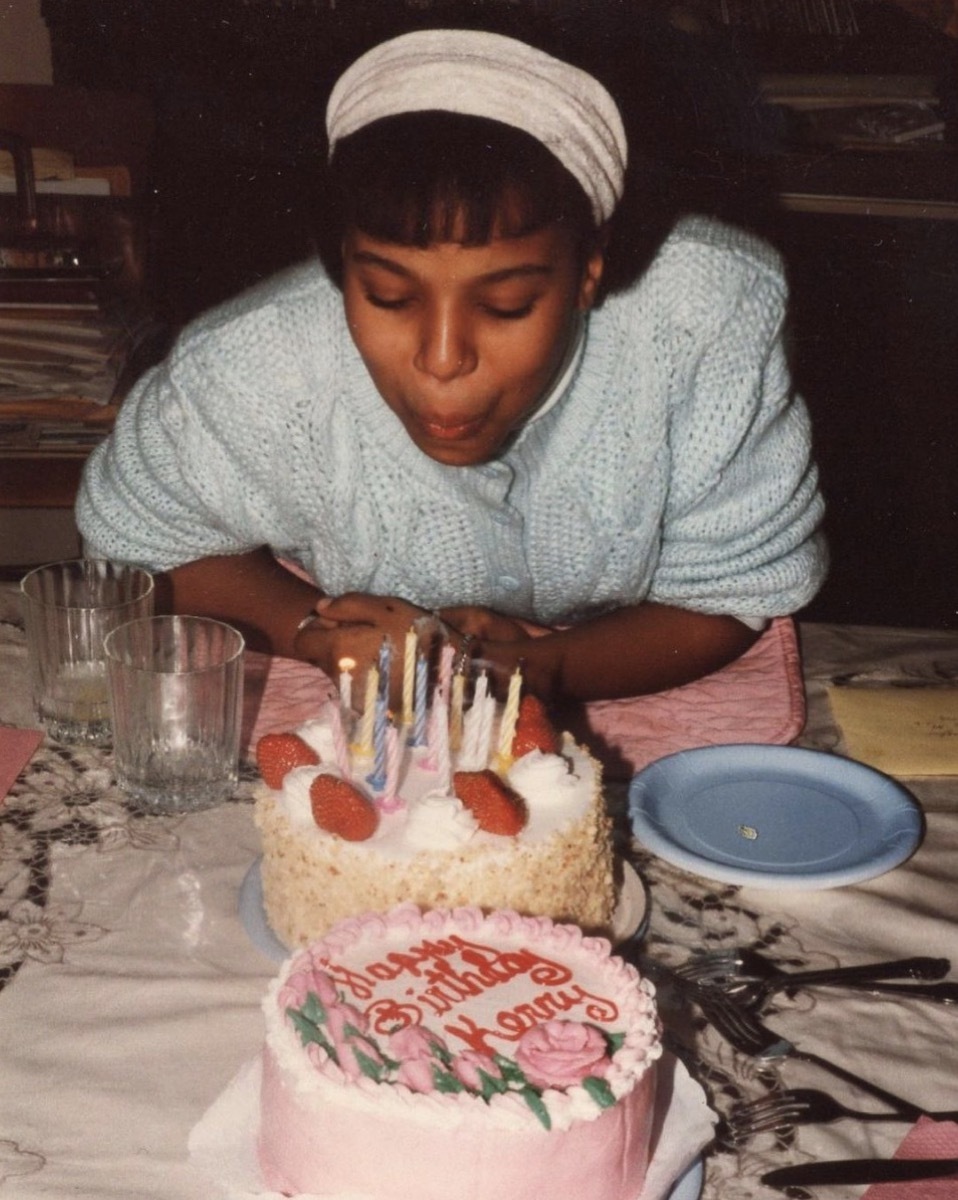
[
  {"x": 68, "y": 609},
  {"x": 176, "y": 692}
]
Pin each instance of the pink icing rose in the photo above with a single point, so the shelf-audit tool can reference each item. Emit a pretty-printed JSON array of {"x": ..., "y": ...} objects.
[
  {"x": 467, "y": 1065},
  {"x": 345, "y": 1042},
  {"x": 300, "y": 983},
  {"x": 560, "y": 1054},
  {"x": 415, "y": 1049}
]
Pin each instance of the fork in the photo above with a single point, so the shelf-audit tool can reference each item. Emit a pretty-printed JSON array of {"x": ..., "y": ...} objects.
[
  {"x": 743, "y": 1030},
  {"x": 751, "y": 978},
  {"x": 726, "y": 967},
  {"x": 801, "y": 1106}
]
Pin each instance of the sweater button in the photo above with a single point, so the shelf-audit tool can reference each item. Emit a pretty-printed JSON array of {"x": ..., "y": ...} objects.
[{"x": 508, "y": 582}]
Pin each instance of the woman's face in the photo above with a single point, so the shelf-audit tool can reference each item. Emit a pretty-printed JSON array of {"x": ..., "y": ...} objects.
[{"x": 462, "y": 342}]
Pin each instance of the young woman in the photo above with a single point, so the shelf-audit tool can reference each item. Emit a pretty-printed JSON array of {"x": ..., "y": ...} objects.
[{"x": 452, "y": 418}]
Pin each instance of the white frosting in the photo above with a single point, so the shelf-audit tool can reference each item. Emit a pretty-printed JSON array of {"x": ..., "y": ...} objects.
[
  {"x": 439, "y": 822},
  {"x": 557, "y": 789}
]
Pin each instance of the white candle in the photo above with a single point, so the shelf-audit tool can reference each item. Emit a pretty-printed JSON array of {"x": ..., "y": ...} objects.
[
  {"x": 346, "y": 667},
  {"x": 340, "y": 748},
  {"x": 510, "y": 714}
]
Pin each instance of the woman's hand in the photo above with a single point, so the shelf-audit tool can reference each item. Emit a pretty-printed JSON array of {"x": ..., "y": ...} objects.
[
  {"x": 484, "y": 624},
  {"x": 354, "y": 626}
]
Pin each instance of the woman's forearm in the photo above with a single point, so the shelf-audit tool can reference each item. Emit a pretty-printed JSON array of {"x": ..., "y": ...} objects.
[
  {"x": 632, "y": 651},
  {"x": 252, "y": 591}
]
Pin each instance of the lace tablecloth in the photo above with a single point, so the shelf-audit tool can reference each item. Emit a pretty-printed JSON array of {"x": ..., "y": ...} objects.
[{"x": 130, "y": 991}]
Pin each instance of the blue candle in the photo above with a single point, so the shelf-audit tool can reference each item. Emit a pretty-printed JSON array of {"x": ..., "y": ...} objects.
[
  {"x": 419, "y": 708},
  {"x": 385, "y": 667},
  {"x": 377, "y": 780}
]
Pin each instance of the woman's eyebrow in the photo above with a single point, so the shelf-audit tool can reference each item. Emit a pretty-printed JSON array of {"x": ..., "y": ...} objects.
[{"x": 520, "y": 270}]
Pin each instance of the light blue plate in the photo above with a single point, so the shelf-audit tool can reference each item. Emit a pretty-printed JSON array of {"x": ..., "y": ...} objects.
[
  {"x": 688, "y": 1186},
  {"x": 773, "y": 816}
]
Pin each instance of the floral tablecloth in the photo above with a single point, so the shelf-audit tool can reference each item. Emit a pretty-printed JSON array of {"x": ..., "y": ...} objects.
[{"x": 130, "y": 990}]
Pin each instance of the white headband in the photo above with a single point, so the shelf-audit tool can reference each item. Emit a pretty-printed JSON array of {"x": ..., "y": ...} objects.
[{"x": 488, "y": 75}]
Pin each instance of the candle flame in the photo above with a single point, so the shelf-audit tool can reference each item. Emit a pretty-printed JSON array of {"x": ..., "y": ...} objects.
[{"x": 347, "y": 664}]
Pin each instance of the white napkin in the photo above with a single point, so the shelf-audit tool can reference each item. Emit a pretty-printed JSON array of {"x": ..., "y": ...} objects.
[{"x": 222, "y": 1144}]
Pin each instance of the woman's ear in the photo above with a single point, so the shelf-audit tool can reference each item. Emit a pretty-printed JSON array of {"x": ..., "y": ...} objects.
[{"x": 592, "y": 276}]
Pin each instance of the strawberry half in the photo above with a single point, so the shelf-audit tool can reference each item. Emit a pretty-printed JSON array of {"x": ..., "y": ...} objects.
[
  {"x": 496, "y": 807},
  {"x": 534, "y": 730},
  {"x": 277, "y": 753},
  {"x": 340, "y": 808}
]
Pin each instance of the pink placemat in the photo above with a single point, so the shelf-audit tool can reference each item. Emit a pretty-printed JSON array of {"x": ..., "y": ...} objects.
[
  {"x": 16, "y": 750},
  {"x": 925, "y": 1139},
  {"x": 758, "y": 698}
]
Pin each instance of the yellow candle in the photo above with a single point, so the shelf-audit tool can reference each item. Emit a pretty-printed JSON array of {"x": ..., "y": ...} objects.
[
  {"x": 409, "y": 677},
  {"x": 364, "y": 744},
  {"x": 455, "y": 711}
]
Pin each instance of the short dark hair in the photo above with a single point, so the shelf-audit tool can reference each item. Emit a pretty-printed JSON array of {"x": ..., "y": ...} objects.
[{"x": 424, "y": 177}]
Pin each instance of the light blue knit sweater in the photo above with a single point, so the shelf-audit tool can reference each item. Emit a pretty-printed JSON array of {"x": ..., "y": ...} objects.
[{"x": 675, "y": 467}]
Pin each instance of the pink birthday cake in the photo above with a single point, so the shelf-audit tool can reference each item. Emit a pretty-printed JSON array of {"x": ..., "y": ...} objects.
[
  {"x": 421, "y": 1055},
  {"x": 498, "y": 819}
]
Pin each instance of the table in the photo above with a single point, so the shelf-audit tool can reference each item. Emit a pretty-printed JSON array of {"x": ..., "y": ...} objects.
[{"x": 130, "y": 991}]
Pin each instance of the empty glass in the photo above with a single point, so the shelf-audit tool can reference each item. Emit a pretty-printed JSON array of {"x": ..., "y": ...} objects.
[
  {"x": 176, "y": 692},
  {"x": 69, "y": 608}
]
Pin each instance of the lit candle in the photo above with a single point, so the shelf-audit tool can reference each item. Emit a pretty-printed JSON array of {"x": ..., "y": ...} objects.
[
  {"x": 419, "y": 708},
  {"x": 346, "y": 667},
  {"x": 409, "y": 676},
  {"x": 507, "y": 729},
  {"x": 365, "y": 741}
]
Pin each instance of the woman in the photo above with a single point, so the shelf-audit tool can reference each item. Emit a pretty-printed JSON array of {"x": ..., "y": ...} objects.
[{"x": 617, "y": 494}]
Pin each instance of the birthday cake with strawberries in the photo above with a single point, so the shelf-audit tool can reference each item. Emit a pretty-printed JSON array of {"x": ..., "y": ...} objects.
[
  {"x": 426, "y": 1054},
  {"x": 468, "y": 803}
]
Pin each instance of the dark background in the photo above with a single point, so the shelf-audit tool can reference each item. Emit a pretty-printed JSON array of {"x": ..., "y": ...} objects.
[{"x": 238, "y": 89}]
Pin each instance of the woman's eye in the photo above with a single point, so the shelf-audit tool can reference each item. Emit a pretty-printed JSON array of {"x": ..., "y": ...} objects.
[
  {"x": 502, "y": 313},
  {"x": 386, "y": 302}
]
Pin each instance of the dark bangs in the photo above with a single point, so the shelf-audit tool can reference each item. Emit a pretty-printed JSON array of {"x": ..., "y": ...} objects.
[{"x": 420, "y": 178}]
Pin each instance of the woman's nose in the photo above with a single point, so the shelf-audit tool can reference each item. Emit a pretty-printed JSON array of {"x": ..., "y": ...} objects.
[{"x": 446, "y": 349}]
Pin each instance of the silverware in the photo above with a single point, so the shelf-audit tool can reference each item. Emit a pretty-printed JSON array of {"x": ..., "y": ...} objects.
[
  {"x": 743, "y": 1030},
  {"x": 800, "y": 1106},
  {"x": 860, "y": 1170},
  {"x": 751, "y": 978}
]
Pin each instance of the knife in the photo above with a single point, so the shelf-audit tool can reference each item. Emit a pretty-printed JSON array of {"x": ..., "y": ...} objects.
[{"x": 860, "y": 1170}]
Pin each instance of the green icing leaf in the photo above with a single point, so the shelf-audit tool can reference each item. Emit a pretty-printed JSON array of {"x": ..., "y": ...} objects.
[
  {"x": 491, "y": 1086},
  {"x": 313, "y": 1009},
  {"x": 310, "y": 1032},
  {"x": 599, "y": 1090},
  {"x": 369, "y": 1066},
  {"x": 511, "y": 1071},
  {"x": 534, "y": 1100},
  {"x": 445, "y": 1081},
  {"x": 616, "y": 1041}
]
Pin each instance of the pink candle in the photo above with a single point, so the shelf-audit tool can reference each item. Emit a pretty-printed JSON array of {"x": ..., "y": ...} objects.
[
  {"x": 390, "y": 800},
  {"x": 340, "y": 748}
]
